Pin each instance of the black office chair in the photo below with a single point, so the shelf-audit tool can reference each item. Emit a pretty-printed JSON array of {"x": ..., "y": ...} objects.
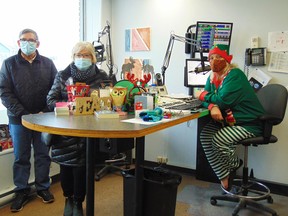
[
  {"x": 118, "y": 155},
  {"x": 247, "y": 191}
]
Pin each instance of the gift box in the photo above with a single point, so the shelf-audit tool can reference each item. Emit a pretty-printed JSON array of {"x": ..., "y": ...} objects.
[
  {"x": 77, "y": 90},
  {"x": 5, "y": 138},
  {"x": 6, "y": 143}
]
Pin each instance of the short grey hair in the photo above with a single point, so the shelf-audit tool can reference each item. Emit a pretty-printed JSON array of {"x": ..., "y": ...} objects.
[{"x": 27, "y": 30}]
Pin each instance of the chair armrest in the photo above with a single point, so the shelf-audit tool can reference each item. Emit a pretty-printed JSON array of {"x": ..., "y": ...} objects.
[
  {"x": 268, "y": 122},
  {"x": 272, "y": 119}
]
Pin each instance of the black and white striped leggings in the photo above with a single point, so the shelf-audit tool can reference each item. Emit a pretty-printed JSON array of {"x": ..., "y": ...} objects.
[{"x": 219, "y": 145}]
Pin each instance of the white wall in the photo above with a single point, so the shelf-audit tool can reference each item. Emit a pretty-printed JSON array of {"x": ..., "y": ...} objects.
[
  {"x": 250, "y": 18},
  {"x": 3, "y": 114}
]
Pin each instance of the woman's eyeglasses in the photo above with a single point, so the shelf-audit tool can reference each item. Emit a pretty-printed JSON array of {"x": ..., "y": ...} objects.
[{"x": 83, "y": 55}]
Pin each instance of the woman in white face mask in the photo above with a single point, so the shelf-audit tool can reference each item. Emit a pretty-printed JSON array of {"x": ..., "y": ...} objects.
[
  {"x": 84, "y": 60},
  {"x": 70, "y": 152}
]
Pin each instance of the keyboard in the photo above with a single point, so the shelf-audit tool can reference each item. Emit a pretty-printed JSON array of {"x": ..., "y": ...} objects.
[{"x": 189, "y": 105}]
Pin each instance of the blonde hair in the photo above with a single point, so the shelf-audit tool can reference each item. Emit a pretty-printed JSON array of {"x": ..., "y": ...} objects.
[
  {"x": 233, "y": 65},
  {"x": 87, "y": 46}
]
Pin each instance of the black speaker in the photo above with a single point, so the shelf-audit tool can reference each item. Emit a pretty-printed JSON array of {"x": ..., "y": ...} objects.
[
  {"x": 204, "y": 171},
  {"x": 187, "y": 45},
  {"x": 116, "y": 145}
]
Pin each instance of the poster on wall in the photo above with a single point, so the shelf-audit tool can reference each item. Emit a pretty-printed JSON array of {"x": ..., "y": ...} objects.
[
  {"x": 137, "y": 39},
  {"x": 138, "y": 68}
]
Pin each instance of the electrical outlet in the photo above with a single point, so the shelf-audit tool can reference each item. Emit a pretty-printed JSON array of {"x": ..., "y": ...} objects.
[
  {"x": 254, "y": 42},
  {"x": 159, "y": 159},
  {"x": 162, "y": 159}
]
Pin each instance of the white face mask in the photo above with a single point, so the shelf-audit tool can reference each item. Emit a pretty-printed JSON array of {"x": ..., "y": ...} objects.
[{"x": 28, "y": 47}]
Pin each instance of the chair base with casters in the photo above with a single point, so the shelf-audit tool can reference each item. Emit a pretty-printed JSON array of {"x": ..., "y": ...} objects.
[
  {"x": 113, "y": 164},
  {"x": 246, "y": 192},
  {"x": 119, "y": 156}
]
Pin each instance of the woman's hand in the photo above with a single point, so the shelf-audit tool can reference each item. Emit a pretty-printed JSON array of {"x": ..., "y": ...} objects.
[
  {"x": 216, "y": 114},
  {"x": 197, "y": 94}
]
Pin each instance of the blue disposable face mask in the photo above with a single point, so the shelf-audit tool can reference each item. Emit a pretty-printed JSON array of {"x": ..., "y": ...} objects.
[
  {"x": 82, "y": 63},
  {"x": 28, "y": 47}
]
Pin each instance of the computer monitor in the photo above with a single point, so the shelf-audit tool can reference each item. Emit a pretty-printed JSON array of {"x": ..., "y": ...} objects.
[
  {"x": 193, "y": 78},
  {"x": 211, "y": 33}
]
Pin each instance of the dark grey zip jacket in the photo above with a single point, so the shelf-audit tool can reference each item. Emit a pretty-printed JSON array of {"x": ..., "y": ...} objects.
[{"x": 24, "y": 86}]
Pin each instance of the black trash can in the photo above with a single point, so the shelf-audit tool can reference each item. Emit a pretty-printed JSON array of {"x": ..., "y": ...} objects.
[{"x": 159, "y": 192}]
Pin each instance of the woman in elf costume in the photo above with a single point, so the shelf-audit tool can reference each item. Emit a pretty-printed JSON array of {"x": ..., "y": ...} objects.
[{"x": 234, "y": 108}]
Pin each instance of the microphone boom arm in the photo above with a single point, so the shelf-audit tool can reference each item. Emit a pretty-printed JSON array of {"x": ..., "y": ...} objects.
[
  {"x": 110, "y": 64},
  {"x": 167, "y": 56}
]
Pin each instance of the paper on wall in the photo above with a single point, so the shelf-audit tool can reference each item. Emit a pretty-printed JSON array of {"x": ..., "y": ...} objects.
[
  {"x": 258, "y": 79},
  {"x": 278, "y": 62},
  {"x": 278, "y": 41}
]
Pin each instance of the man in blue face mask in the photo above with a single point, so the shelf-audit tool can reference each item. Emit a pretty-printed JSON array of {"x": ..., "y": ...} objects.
[
  {"x": 28, "y": 43},
  {"x": 25, "y": 80}
]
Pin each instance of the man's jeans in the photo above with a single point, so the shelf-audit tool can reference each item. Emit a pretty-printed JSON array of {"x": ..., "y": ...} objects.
[{"x": 23, "y": 139}]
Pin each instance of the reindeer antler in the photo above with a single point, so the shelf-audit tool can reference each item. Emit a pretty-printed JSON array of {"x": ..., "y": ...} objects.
[
  {"x": 145, "y": 80},
  {"x": 130, "y": 77}
]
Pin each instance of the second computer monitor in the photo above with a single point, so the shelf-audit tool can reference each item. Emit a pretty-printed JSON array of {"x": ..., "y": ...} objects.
[{"x": 193, "y": 76}]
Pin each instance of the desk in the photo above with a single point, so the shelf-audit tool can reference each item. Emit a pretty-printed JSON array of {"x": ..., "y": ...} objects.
[{"x": 91, "y": 127}]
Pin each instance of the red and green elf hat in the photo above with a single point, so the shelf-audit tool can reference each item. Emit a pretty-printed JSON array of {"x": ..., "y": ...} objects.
[{"x": 222, "y": 50}]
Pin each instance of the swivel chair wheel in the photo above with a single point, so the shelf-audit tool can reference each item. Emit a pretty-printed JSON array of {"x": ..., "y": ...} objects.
[
  {"x": 97, "y": 177},
  {"x": 270, "y": 199},
  {"x": 213, "y": 201}
]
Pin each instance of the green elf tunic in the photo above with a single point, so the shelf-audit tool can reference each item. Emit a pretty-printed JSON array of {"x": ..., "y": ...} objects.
[{"x": 236, "y": 99}]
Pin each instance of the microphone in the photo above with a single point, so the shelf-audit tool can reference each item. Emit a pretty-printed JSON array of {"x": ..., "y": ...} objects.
[
  {"x": 201, "y": 69},
  {"x": 158, "y": 79},
  {"x": 99, "y": 52}
]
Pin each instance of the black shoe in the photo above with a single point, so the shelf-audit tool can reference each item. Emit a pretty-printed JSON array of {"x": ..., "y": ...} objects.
[
  {"x": 240, "y": 164},
  {"x": 77, "y": 209},
  {"x": 20, "y": 200},
  {"x": 46, "y": 196},
  {"x": 233, "y": 174},
  {"x": 68, "y": 210}
]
